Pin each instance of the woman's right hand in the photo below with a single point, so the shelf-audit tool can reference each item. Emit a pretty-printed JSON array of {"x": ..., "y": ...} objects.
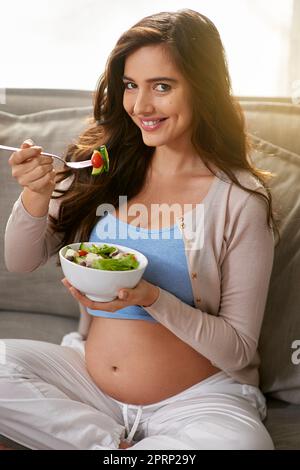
[{"x": 33, "y": 170}]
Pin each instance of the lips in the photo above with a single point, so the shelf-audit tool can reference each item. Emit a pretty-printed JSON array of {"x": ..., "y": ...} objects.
[{"x": 151, "y": 124}]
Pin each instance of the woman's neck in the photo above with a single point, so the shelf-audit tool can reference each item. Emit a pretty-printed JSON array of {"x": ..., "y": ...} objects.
[{"x": 168, "y": 162}]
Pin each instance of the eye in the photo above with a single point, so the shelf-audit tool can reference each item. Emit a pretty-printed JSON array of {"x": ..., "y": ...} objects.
[
  {"x": 127, "y": 87},
  {"x": 164, "y": 86}
]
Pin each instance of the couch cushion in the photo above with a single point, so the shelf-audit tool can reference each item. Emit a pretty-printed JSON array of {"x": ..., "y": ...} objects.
[
  {"x": 283, "y": 424},
  {"x": 38, "y": 326},
  {"x": 281, "y": 327},
  {"x": 276, "y": 122},
  {"x": 31, "y": 100},
  {"x": 39, "y": 291}
]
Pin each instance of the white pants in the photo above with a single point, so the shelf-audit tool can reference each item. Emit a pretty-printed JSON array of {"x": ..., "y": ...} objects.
[{"x": 49, "y": 401}]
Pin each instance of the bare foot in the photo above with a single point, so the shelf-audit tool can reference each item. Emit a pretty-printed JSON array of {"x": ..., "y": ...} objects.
[{"x": 125, "y": 445}]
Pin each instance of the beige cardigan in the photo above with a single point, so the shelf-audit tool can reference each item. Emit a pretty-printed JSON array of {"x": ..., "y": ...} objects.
[{"x": 229, "y": 250}]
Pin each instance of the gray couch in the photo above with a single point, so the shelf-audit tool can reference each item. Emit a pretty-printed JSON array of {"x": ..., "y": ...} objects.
[{"x": 36, "y": 305}]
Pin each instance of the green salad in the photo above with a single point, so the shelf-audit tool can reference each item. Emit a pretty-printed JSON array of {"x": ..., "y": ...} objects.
[{"x": 105, "y": 257}]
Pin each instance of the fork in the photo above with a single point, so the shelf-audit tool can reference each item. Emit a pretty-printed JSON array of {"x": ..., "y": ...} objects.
[{"x": 76, "y": 165}]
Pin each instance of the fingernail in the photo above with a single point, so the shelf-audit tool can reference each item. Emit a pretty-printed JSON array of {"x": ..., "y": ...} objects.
[
  {"x": 29, "y": 142},
  {"x": 124, "y": 295}
]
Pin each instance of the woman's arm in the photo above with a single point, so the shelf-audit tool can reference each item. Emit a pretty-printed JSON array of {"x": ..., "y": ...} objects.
[
  {"x": 229, "y": 340},
  {"x": 37, "y": 205},
  {"x": 29, "y": 242}
]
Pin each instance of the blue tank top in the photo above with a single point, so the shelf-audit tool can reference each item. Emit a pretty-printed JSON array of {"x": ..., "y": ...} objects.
[{"x": 167, "y": 264}]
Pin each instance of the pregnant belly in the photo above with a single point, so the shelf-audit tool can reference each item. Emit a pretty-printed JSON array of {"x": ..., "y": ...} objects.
[{"x": 139, "y": 362}]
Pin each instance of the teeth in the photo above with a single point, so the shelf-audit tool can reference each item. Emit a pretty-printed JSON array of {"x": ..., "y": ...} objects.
[{"x": 150, "y": 123}]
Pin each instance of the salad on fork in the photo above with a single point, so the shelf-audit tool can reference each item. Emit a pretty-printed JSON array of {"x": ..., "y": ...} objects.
[{"x": 99, "y": 160}]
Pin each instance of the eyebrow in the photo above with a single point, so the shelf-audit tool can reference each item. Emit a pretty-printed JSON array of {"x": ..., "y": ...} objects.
[{"x": 154, "y": 79}]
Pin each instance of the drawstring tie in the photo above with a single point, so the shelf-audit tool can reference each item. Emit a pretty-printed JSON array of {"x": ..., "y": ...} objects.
[{"x": 131, "y": 433}]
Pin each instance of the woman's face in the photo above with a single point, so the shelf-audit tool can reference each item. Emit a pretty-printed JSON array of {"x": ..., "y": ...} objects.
[{"x": 157, "y": 97}]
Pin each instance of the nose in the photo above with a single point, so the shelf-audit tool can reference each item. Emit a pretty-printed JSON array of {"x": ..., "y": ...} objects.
[{"x": 143, "y": 103}]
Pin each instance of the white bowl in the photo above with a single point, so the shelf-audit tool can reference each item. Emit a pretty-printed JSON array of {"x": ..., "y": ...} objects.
[{"x": 97, "y": 284}]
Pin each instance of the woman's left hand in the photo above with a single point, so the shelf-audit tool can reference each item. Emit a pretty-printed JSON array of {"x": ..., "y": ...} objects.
[{"x": 143, "y": 294}]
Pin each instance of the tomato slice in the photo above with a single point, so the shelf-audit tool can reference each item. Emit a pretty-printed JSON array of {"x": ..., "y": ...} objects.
[
  {"x": 82, "y": 252},
  {"x": 97, "y": 159}
]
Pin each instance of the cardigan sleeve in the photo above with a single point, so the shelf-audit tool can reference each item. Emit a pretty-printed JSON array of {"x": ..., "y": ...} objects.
[
  {"x": 29, "y": 241},
  {"x": 230, "y": 339}
]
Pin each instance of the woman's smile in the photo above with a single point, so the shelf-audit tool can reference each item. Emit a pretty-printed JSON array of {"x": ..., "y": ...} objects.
[{"x": 152, "y": 125}]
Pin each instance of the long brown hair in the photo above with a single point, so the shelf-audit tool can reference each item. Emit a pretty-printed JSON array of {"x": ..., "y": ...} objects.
[{"x": 219, "y": 134}]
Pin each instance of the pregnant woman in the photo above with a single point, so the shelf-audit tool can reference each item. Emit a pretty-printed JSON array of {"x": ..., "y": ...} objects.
[{"x": 174, "y": 365}]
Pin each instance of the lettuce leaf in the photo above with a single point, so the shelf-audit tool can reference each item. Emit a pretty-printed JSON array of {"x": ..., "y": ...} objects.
[
  {"x": 123, "y": 264},
  {"x": 104, "y": 250}
]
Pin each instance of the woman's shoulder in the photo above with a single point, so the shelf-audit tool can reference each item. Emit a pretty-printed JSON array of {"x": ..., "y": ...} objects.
[
  {"x": 248, "y": 181},
  {"x": 244, "y": 208},
  {"x": 244, "y": 177},
  {"x": 239, "y": 200}
]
